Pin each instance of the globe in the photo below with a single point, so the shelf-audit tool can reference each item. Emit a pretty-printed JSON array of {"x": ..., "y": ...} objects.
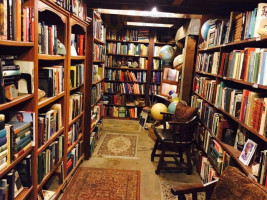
[
  {"x": 166, "y": 53},
  {"x": 172, "y": 107},
  {"x": 205, "y": 29},
  {"x": 178, "y": 60},
  {"x": 176, "y": 99},
  {"x": 156, "y": 109}
]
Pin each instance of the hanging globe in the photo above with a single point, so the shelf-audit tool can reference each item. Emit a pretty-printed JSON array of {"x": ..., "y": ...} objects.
[
  {"x": 166, "y": 53},
  {"x": 205, "y": 29},
  {"x": 178, "y": 60},
  {"x": 172, "y": 107}
]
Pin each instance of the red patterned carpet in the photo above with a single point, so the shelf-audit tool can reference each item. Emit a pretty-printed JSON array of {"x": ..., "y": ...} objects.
[{"x": 104, "y": 184}]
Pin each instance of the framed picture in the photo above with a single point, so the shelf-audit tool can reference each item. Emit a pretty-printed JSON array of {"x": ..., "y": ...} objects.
[{"x": 247, "y": 152}]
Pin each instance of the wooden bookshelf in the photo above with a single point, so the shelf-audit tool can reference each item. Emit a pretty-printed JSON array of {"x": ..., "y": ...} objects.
[
  {"x": 48, "y": 100},
  {"x": 77, "y": 57},
  {"x": 10, "y": 43},
  {"x": 94, "y": 83},
  {"x": 50, "y": 57},
  {"x": 126, "y": 68},
  {"x": 74, "y": 144},
  {"x": 16, "y": 101},
  {"x": 99, "y": 41},
  {"x": 76, "y": 118},
  {"x": 114, "y": 81},
  {"x": 233, "y": 83},
  {"x": 123, "y": 41},
  {"x": 113, "y": 54},
  {"x": 98, "y": 61},
  {"x": 24, "y": 193},
  {"x": 123, "y": 94},
  {"x": 93, "y": 105},
  {"x": 124, "y": 105}
]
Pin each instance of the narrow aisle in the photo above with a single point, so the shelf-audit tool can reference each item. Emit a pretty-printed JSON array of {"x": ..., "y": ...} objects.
[{"x": 115, "y": 152}]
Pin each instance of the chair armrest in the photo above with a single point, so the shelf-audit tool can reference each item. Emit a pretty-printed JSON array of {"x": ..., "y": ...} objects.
[
  {"x": 193, "y": 188},
  {"x": 167, "y": 113}
]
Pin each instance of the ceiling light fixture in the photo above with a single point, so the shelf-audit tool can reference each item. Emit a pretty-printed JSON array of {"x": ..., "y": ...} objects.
[{"x": 148, "y": 24}]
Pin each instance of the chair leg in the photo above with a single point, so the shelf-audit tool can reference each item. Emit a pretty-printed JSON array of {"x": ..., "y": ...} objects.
[
  {"x": 181, "y": 156},
  {"x": 189, "y": 162},
  {"x": 154, "y": 150},
  {"x": 161, "y": 160}
]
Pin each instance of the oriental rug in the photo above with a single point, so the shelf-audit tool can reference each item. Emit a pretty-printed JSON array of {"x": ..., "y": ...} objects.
[
  {"x": 103, "y": 184},
  {"x": 165, "y": 190},
  {"x": 118, "y": 145}
]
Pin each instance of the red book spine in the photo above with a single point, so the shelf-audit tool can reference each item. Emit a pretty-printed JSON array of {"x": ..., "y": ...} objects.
[
  {"x": 51, "y": 40},
  {"x": 81, "y": 45},
  {"x": 243, "y": 104}
]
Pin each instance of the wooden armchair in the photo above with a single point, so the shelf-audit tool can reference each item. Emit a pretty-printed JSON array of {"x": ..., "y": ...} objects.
[
  {"x": 232, "y": 185},
  {"x": 177, "y": 139}
]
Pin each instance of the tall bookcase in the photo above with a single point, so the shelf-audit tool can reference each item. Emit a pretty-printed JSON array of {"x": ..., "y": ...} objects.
[
  {"x": 213, "y": 79},
  {"x": 67, "y": 23}
]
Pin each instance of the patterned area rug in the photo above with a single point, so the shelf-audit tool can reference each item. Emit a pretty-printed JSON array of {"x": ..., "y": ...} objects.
[
  {"x": 104, "y": 184},
  {"x": 166, "y": 194},
  {"x": 118, "y": 145},
  {"x": 112, "y": 125}
]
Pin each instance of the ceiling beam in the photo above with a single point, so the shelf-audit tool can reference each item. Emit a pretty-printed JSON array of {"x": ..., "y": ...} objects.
[{"x": 177, "y": 2}]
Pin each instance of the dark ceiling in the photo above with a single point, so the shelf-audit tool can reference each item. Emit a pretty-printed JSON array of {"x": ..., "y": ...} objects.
[{"x": 219, "y": 7}]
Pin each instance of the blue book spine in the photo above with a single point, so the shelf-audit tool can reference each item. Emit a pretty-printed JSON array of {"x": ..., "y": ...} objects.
[
  {"x": 2, "y": 141},
  {"x": 250, "y": 65},
  {"x": 252, "y": 27},
  {"x": 23, "y": 140},
  {"x": 2, "y": 133},
  {"x": 263, "y": 68}
]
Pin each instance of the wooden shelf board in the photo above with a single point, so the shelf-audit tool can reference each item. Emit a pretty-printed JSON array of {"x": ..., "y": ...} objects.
[
  {"x": 126, "y": 68},
  {"x": 206, "y": 73},
  {"x": 124, "y": 41},
  {"x": 235, "y": 119},
  {"x": 156, "y": 57},
  {"x": 16, "y": 101},
  {"x": 96, "y": 40},
  {"x": 16, "y": 43},
  {"x": 77, "y": 57},
  {"x": 80, "y": 136},
  {"x": 153, "y": 83},
  {"x": 47, "y": 100},
  {"x": 50, "y": 57},
  {"x": 24, "y": 193},
  {"x": 47, "y": 176},
  {"x": 124, "y": 81},
  {"x": 94, "y": 83},
  {"x": 15, "y": 162},
  {"x": 76, "y": 118},
  {"x": 80, "y": 20},
  {"x": 71, "y": 89},
  {"x": 50, "y": 140},
  {"x": 74, "y": 169},
  {"x": 97, "y": 101},
  {"x": 114, "y": 54},
  {"x": 94, "y": 126},
  {"x": 123, "y": 93},
  {"x": 164, "y": 43},
  {"x": 210, "y": 48},
  {"x": 156, "y": 70}
]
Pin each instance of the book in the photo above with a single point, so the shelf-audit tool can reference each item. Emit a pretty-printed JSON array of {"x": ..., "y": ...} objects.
[{"x": 261, "y": 20}]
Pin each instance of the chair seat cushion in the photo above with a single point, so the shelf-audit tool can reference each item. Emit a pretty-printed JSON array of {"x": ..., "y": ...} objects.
[
  {"x": 184, "y": 112},
  {"x": 233, "y": 184},
  {"x": 166, "y": 136}
]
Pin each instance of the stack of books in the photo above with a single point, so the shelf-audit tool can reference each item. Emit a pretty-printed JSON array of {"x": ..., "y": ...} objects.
[
  {"x": 4, "y": 150},
  {"x": 76, "y": 105},
  {"x": 74, "y": 156},
  {"x": 74, "y": 131},
  {"x": 77, "y": 75}
]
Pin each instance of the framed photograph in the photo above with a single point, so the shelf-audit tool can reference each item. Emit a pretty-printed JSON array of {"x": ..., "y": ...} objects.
[{"x": 247, "y": 152}]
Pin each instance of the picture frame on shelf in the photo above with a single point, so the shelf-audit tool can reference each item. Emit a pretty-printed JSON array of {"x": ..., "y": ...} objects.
[{"x": 248, "y": 152}]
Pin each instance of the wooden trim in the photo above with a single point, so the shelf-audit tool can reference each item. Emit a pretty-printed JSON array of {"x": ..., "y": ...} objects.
[
  {"x": 75, "y": 143},
  {"x": 50, "y": 57},
  {"x": 16, "y": 43},
  {"x": 126, "y": 68},
  {"x": 48, "y": 100},
  {"x": 76, "y": 118},
  {"x": 16, "y": 101},
  {"x": 96, "y": 40},
  {"x": 24, "y": 193},
  {"x": 114, "y": 54}
]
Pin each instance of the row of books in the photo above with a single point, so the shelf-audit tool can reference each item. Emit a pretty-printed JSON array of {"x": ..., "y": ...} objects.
[
  {"x": 262, "y": 168},
  {"x": 157, "y": 64},
  {"x": 74, "y": 131},
  {"x": 16, "y": 21},
  {"x": 156, "y": 50},
  {"x": 77, "y": 45},
  {"x": 47, "y": 41},
  {"x": 114, "y": 61},
  {"x": 128, "y": 35},
  {"x": 96, "y": 114},
  {"x": 240, "y": 26},
  {"x": 99, "y": 30},
  {"x": 74, "y": 156},
  {"x": 77, "y": 7},
  {"x": 154, "y": 89},
  {"x": 51, "y": 80},
  {"x": 75, "y": 105},
  {"x": 208, "y": 62},
  {"x": 205, "y": 87},
  {"x": 124, "y": 88},
  {"x": 50, "y": 157},
  {"x": 248, "y": 65},
  {"x": 206, "y": 170},
  {"x": 128, "y": 49},
  {"x": 119, "y": 75},
  {"x": 117, "y": 99},
  {"x": 99, "y": 52},
  {"x": 114, "y": 111},
  {"x": 77, "y": 75},
  {"x": 96, "y": 134},
  {"x": 16, "y": 77},
  {"x": 97, "y": 93},
  {"x": 249, "y": 107},
  {"x": 98, "y": 72},
  {"x": 156, "y": 77},
  {"x": 49, "y": 123}
]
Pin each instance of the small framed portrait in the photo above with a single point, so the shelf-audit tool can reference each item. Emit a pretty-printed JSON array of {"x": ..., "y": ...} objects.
[{"x": 248, "y": 152}]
